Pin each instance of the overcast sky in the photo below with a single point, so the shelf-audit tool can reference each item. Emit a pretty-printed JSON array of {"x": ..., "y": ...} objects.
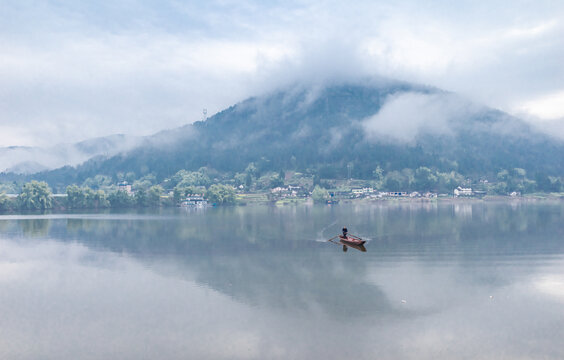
[{"x": 71, "y": 70}]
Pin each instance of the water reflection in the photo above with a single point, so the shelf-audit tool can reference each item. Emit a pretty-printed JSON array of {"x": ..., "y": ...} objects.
[
  {"x": 345, "y": 245},
  {"x": 261, "y": 282},
  {"x": 35, "y": 227}
]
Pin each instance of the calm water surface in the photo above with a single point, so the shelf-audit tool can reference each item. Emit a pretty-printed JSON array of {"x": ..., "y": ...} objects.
[{"x": 438, "y": 281}]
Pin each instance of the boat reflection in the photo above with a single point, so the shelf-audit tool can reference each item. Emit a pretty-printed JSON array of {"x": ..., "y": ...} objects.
[
  {"x": 358, "y": 247},
  {"x": 346, "y": 245}
]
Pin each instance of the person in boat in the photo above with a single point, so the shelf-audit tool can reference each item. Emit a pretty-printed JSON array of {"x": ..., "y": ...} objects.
[{"x": 345, "y": 231}]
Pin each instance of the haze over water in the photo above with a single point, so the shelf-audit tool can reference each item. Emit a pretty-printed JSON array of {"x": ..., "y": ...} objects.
[{"x": 467, "y": 280}]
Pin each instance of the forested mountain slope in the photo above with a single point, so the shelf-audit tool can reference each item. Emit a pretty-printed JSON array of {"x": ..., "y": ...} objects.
[{"x": 328, "y": 129}]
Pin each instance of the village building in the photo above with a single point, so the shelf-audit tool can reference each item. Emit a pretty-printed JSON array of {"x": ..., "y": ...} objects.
[
  {"x": 195, "y": 200},
  {"x": 124, "y": 186},
  {"x": 460, "y": 191}
]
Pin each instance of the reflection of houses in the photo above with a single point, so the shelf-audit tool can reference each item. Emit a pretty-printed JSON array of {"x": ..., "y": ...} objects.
[
  {"x": 197, "y": 201},
  {"x": 124, "y": 186},
  {"x": 460, "y": 191}
]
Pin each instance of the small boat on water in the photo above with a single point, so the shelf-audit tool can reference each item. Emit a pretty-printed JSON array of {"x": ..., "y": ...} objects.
[
  {"x": 348, "y": 240},
  {"x": 351, "y": 240},
  {"x": 349, "y": 245}
]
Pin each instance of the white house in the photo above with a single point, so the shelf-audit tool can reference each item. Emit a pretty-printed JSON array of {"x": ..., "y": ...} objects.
[
  {"x": 124, "y": 186},
  {"x": 460, "y": 191}
]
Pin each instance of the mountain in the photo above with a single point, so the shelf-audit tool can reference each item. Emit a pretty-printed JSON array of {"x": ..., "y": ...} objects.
[
  {"x": 29, "y": 160},
  {"x": 329, "y": 129}
]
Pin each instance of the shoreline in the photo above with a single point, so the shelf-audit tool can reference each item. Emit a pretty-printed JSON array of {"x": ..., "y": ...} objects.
[{"x": 532, "y": 198}]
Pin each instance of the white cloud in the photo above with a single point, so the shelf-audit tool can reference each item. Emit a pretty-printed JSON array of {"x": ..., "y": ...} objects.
[
  {"x": 69, "y": 72},
  {"x": 547, "y": 107},
  {"x": 404, "y": 116}
]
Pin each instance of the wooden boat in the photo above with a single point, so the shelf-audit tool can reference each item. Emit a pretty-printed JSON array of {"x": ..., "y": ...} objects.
[
  {"x": 350, "y": 240},
  {"x": 355, "y": 245}
]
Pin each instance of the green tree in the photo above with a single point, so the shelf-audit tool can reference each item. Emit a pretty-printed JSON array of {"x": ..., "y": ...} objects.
[
  {"x": 99, "y": 199},
  {"x": 144, "y": 184},
  {"x": 425, "y": 179},
  {"x": 316, "y": 180},
  {"x": 76, "y": 199},
  {"x": 35, "y": 196},
  {"x": 221, "y": 194},
  {"x": 503, "y": 175},
  {"x": 120, "y": 199},
  {"x": 529, "y": 186},
  {"x": 520, "y": 173},
  {"x": 378, "y": 176},
  {"x": 319, "y": 195},
  {"x": 447, "y": 182},
  {"x": 195, "y": 178},
  {"x": 141, "y": 198},
  {"x": 130, "y": 177},
  {"x": 185, "y": 178},
  {"x": 543, "y": 182},
  {"x": 176, "y": 178},
  {"x": 5, "y": 203},
  {"x": 240, "y": 179},
  {"x": 276, "y": 181},
  {"x": 394, "y": 181},
  {"x": 408, "y": 179},
  {"x": 248, "y": 180},
  {"x": 252, "y": 170},
  {"x": 500, "y": 188},
  {"x": 154, "y": 195},
  {"x": 97, "y": 182},
  {"x": 178, "y": 194},
  {"x": 85, "y": 198}
]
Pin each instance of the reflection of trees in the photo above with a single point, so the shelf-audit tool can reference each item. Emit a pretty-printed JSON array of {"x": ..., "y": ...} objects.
[
  {"x": 290, "y": 281},
  {"x": 34, "y": 227},
  {"x": 470, "y": 228},
  {"x": 257, "y": 255},
  {"x": 5, "y": 226},
  {"x": 266, "y": 255},
  {"x": 393, "y": 227}
]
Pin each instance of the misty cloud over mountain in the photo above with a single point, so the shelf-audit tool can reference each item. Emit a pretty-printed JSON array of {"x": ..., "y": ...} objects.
[
  {"x": 366, "y": 124},
  {"x": 405, "y": 116},
  {"x": 75, "y": 70},
  {"x": 29, "y": 160}
]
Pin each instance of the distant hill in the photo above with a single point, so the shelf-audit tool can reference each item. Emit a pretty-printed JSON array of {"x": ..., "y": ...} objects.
[
  {"x": 30, "y": 160},
  {"x": 332, "y": 128}
]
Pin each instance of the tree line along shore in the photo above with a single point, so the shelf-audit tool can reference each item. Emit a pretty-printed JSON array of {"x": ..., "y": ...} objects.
[{"x": 252, "y": 186}]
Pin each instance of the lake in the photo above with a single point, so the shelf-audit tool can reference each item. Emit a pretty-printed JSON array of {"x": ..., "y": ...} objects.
[{"x": 472, "y": 280}]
